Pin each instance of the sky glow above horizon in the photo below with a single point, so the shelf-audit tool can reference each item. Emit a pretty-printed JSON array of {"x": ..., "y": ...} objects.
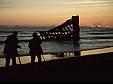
[{"x": 55, "y": 12}]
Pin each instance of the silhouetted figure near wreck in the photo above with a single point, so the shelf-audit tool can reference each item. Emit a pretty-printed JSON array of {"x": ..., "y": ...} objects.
[
  {"x": 35, "y": 48},
  {"x": 10, "y": 49}
]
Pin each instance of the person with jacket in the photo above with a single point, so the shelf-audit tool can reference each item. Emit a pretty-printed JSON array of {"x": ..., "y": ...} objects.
[
  {"x": 10, "y": 49},
  {"x": 35, "y": 48}
]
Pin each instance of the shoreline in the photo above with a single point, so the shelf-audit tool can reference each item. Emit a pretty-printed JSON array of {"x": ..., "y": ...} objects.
[
  {"x": 50, "y": 56},
  {"x": 97, "y": 67}
]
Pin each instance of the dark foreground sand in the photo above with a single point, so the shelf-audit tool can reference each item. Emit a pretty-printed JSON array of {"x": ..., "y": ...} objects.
[{"x": 97, "y": 67}]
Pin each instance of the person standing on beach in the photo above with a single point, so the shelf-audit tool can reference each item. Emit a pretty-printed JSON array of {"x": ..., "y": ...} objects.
[
  {"x": 10, "y": 49},
  {"x": 35, "y": 48}
]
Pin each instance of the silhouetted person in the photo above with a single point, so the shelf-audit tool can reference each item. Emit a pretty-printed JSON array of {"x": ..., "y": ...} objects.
[
  {"x": 10, "y": 49},
  {"x": 35, "y": 48}
]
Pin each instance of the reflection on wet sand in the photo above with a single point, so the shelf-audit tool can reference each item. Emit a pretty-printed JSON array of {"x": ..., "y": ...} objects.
[{"x": 48, "y": 57}]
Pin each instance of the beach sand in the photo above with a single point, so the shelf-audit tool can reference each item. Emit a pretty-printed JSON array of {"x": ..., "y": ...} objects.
[
  {"x": 91, "y": 67},
  {"x": 27, "y": 59},
  {"x": 48, "y": 57}
]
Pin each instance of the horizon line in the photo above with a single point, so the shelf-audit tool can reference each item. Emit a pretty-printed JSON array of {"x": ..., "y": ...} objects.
[{"x": 56, "y": 25}]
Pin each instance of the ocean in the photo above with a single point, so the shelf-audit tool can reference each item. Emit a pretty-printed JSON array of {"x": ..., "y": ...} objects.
[{"x": 90, "y": 38}]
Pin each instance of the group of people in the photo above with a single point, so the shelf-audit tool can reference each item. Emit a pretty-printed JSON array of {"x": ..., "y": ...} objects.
[{"x": 11, "y": 45}]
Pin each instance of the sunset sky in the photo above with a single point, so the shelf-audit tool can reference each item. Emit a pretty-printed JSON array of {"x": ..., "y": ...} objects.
[{"x": 55, "y": 12}]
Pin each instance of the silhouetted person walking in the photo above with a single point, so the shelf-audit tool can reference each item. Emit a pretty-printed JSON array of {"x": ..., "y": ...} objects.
[
  {"x": 35, "y": 48},
  {"x": 10, "y": 49}
]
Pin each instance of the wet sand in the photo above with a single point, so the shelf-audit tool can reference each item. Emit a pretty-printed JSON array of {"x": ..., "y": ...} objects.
[
  {"x": 91, "y": 67},
  {"x": 27, "y": 59}
]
